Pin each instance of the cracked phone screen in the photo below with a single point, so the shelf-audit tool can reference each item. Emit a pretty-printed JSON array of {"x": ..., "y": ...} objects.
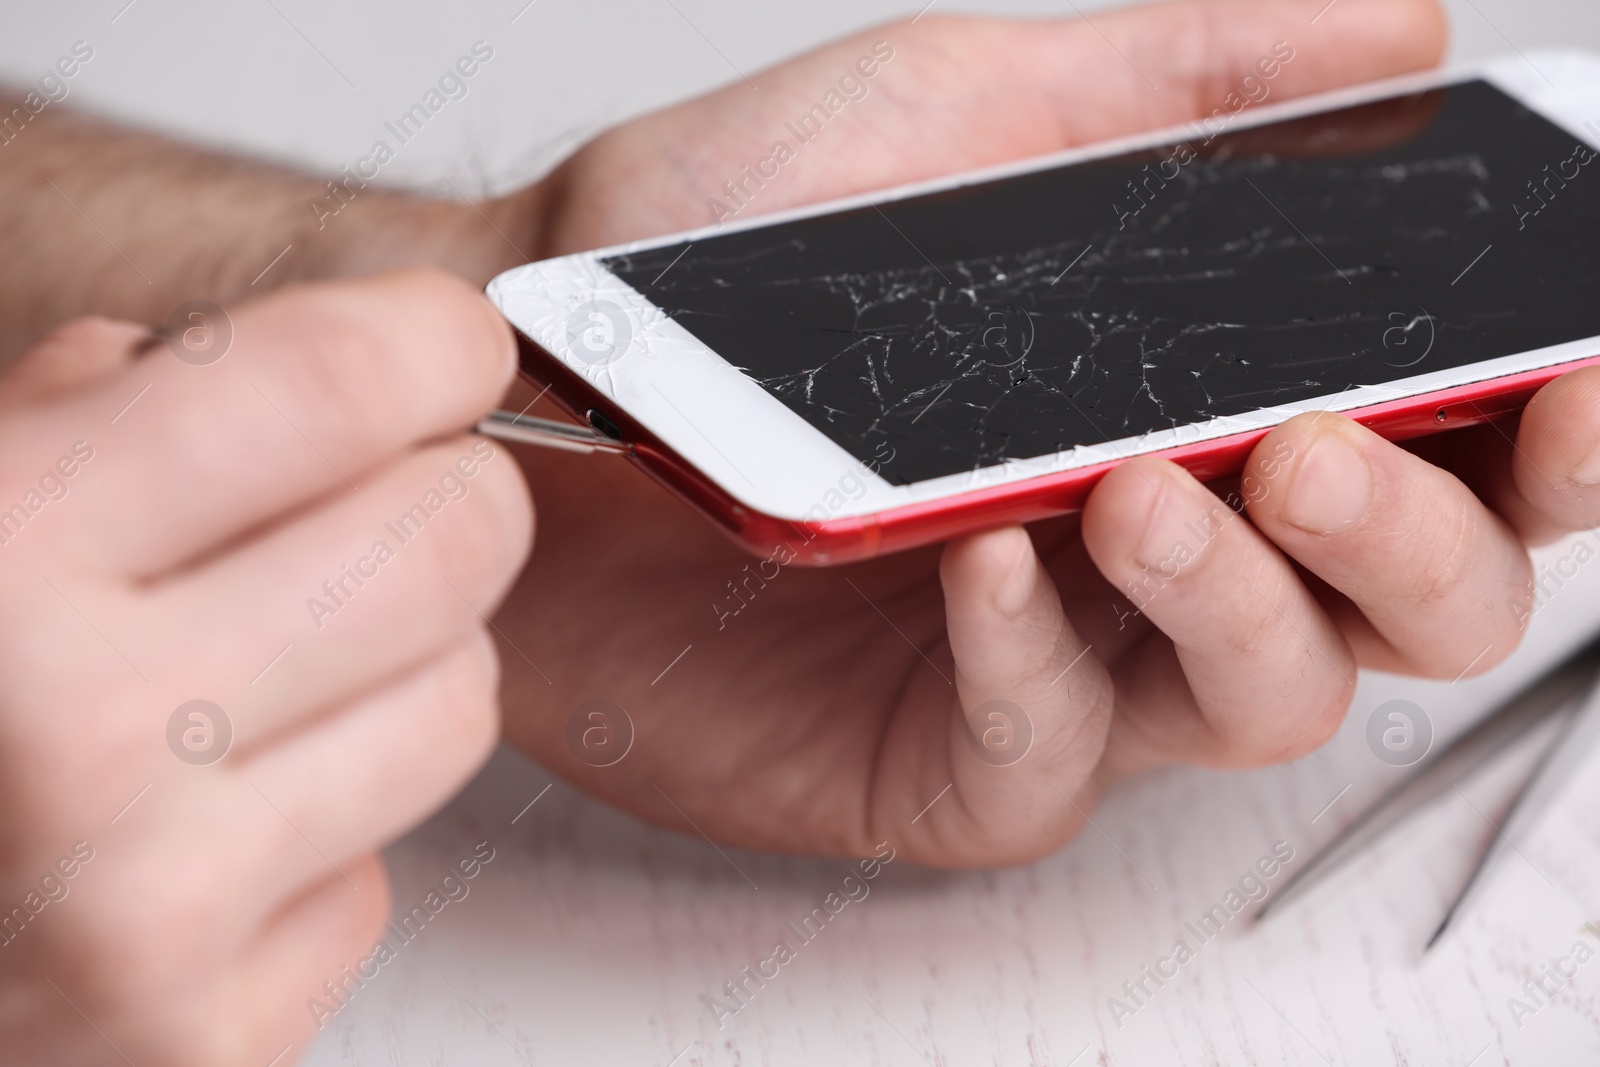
[{"x": 1104, "y": 300}]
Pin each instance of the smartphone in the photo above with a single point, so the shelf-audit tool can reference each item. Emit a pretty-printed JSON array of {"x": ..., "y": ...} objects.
[{"x": 874, "y": 374}]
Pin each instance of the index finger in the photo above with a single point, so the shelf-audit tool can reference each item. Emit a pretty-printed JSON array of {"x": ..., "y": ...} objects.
[{"x": 320, "y": 384}]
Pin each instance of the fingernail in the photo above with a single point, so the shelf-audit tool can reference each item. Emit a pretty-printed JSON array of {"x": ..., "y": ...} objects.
[
  {"x": 1183, "y": 520},
  {"x": 1587, "y": 473},
  {"x": 1331, "y": 489},
  {"x": 1015, "y": 590}
]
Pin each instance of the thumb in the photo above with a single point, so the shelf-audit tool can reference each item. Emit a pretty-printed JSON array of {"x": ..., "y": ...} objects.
[
  {"x": 959, "y": 92},
  {"x": 984, "y": 91}
]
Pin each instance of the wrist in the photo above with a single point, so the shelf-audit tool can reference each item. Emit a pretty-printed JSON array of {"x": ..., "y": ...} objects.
[{"x": 475, "y": 239}]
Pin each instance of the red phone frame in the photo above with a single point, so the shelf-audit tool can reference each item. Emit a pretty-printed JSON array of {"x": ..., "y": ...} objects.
[{"x": 854, "y": 538}]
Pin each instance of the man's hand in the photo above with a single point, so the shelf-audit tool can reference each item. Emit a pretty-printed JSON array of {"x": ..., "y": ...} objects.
[
  {"x": 294, "y": 535},
  {"x": 832, "y": 708}
]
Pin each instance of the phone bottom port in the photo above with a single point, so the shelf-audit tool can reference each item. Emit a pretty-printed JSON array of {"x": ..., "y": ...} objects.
[{"x": 602, "y": 425}]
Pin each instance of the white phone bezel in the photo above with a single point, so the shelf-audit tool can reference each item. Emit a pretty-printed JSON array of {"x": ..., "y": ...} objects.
[{"x": 770, "y": 459}]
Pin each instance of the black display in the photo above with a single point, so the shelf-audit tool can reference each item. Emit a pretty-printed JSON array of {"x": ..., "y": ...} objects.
[{"x": 1107, "y": 299}]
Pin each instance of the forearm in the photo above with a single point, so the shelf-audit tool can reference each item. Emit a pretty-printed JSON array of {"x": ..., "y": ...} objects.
[{"x": 100, "y": 219}]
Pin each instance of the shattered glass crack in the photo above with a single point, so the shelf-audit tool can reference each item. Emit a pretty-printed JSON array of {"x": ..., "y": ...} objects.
[{"x": 1090, "y": 304}]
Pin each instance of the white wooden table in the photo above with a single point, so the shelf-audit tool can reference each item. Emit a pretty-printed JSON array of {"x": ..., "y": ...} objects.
[{"x": 592, "y": 939}]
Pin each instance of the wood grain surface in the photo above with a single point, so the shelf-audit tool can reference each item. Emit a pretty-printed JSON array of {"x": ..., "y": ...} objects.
[{"x": 591, "y": 938}]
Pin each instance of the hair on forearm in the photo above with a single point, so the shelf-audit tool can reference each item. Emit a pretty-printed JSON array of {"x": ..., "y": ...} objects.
[{"x": 100, "y": 219}]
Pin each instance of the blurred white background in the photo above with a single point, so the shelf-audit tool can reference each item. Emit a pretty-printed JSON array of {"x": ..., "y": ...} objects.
[{"x": 312, "y": 83}]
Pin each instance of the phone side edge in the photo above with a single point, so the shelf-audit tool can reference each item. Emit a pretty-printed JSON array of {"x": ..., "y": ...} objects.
[{"x": 832, "y": 542}]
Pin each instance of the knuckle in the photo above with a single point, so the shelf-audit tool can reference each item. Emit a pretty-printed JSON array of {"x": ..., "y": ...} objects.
[
  {"x": 467, "y": 697},
  {"x": 1445, "y": 562},
  {"x": 1459, "y": 573},
  {"x": 1255, "y": 629},
  {"x": 1317, "y": 724},
  {"x": 1316, "y": 719},
  {"x": 1241, "y": 616},
  {"x": 1315, "y": 692}
]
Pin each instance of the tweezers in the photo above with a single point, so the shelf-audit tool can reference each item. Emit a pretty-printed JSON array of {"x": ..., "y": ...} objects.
[
  {"x": 1569, "y": 690},
  {"x": 547, "y": 433}
]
